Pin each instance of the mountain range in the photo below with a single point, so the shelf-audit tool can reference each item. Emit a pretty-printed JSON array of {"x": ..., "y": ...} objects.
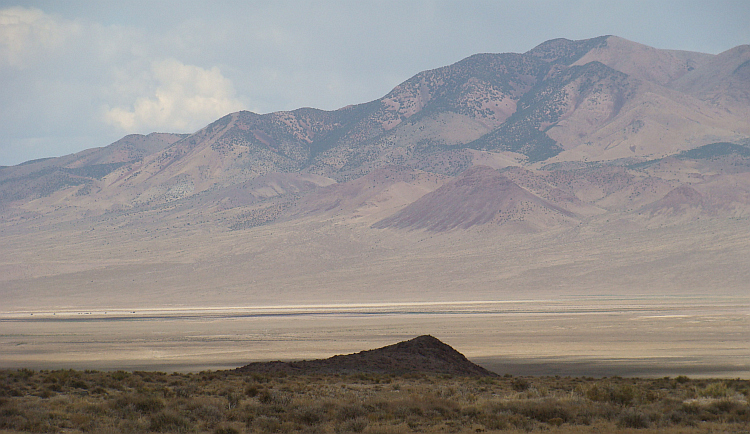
[{"x": 601, "y": 136}]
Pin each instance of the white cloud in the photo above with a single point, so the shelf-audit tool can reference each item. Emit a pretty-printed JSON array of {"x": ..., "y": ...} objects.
[
  {"x": 29, "y": 35},
  {"x": 183, "y": 98}
]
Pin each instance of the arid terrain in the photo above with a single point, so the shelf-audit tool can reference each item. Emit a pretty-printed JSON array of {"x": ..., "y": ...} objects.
[
  {"x": 647, "y": 337},
  {"x": 578, "y": 209},
  {"x": 419, "y": 385}
]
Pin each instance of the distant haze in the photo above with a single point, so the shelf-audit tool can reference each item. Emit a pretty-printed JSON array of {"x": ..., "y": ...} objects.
[{"x": 77, "y": 75}]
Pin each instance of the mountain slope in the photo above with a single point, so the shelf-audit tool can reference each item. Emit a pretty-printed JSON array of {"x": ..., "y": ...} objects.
[
  {"x": 600, "y": 99},
  {"x": 724, "y": 82},
  {"x": 479, "y": 196},
  {"x": 82, "y": 171},
  {"x": 643, "y": 62}
]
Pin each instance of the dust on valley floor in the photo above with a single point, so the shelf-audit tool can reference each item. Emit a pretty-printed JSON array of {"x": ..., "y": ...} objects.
[{"x": 598, "y": 336}]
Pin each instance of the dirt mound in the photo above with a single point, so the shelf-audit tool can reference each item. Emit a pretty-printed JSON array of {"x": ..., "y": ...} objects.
[{"x": 424, "y": 354}]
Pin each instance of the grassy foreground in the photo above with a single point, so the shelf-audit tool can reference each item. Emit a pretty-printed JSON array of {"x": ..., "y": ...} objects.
[{"x": 227, "y": 402}]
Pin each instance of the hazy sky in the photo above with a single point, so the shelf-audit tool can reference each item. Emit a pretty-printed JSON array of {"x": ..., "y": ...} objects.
[{"x": 81, "y": 74}]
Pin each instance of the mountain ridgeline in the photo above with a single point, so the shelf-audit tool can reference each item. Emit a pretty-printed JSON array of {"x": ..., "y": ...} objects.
[{"x": 552, "y": 136}]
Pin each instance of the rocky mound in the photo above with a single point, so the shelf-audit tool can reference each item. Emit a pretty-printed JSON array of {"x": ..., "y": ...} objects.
[{"x": 424, "y": 354}]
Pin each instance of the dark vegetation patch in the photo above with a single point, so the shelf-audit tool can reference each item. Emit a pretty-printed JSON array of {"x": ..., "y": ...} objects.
[
  {"x": 225, "y": 402},
  {"x": 714, "y": 150},
  {"x": 711, "y": 151},
  {"x": 49, "y": 180}
]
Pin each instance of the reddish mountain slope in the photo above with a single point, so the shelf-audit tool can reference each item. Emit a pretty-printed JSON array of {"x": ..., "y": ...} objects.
[{"x": 478, "y": 196}]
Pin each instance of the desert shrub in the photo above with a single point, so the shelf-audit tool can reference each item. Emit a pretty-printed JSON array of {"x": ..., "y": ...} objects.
[
  {"x": 98, "y": 390},
  {"x": 259, "y": 378},
  {"x": 405, "y": 408},
  {"x": 185, "y": 391},
  {"x": 621, "y": 394},
  {"x": 679, "y": 417},
  {"x": 519, "y": 422},
  {"x": 11, "y": 418},
  {"x": 119, "y": 375},
  {"x": 350, "y": 411},
  {"x": 79, "y": 384},
  {"x": 543, "y": 411},
  {"x": 715, "y": 390},
  {"x": 471, "y": 412},
  {"x": 388, "y": 429},
  {"x": 503, "y": 416},
  {"x": 252, "y": 390},
  {"x": 167, "y": 421},
  {"x": 353, "y": 425},
  {"x": 494, "y": 422},
  {"x": 309, "y": 416},
  {"x": 267, "y": 424},
  {"x": 226, "y": 430},
  {"x": 51, "y": 378},
  {"x": 35, "y": 420},
  {"x": 441, "y": 408},
  {"x": 652, "y": 396},
  {"x": 207, "y": 409},
  {"x": 265, "y": 397},
  {"x": 233, "y": 399},
  {"x": 724, "y": 406},
  {"x": 131, "y": 426},
  {"x": 631, "y": 418},
  {"x": 83, "y": 422},
  {"x": 730, "y": 410},
  {"x": 520, "y": 385},
  {"x": 140, "y": 403},
  {"x": 25, "y": 373},
  {"x": 10, "y": 390},
  {"x": 46, "y": 393}
]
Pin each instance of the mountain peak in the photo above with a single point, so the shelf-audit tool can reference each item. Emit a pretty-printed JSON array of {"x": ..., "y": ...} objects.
[{"x": 566, "y": 51}]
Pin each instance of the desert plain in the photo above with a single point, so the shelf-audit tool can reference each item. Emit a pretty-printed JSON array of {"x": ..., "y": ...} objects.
[{"x": 600, "y": 301}]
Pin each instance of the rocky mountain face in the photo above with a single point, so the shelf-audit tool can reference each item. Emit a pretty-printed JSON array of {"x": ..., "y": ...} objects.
[{"x": 604, "y": 99}]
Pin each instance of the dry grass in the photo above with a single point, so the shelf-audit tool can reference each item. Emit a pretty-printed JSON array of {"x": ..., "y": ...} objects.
[{"x": 226, "y": 402}]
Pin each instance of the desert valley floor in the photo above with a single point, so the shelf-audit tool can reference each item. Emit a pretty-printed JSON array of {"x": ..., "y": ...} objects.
[
  {"x": 582, "y": 337},
  {"x": 548, "y": 303}
]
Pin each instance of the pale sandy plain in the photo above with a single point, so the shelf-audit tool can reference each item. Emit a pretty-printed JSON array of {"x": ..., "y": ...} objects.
[
  {"x": 171, "y": 292},
  {"x": 594, "y": 337}
]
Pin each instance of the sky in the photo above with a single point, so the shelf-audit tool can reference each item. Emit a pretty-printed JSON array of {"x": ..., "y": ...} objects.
[{"x": 82, "y": 74}]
